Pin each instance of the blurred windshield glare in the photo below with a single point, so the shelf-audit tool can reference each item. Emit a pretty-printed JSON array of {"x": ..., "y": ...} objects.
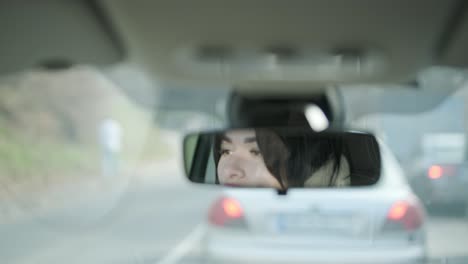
[{"x": 68, "y": 132}]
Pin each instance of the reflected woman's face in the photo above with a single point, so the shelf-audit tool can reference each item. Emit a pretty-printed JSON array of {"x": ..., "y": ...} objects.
[{"x": 241, "y": 162}]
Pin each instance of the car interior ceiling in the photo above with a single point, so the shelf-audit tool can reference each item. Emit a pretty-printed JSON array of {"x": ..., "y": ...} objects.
[{"x": 438, "y": 33}]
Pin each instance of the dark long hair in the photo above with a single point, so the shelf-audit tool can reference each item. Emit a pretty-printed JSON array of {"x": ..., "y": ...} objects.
[
  {"x": 309, "y": 153},
  {"x": 293, "y": 159}
]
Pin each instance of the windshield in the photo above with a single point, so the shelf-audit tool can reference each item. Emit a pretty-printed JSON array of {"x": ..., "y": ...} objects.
[
  {"x": 82, "y": 162},
  {"x": 93, "y": 158}
]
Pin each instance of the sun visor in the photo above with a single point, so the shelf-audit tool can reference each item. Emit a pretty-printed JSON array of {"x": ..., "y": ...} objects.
[
  {"x": 453, "y": 49},
  {"x": 54, "y": 34}
]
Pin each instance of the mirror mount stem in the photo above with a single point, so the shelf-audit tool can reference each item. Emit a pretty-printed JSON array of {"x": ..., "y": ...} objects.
[{"x": 282, "y": 191}]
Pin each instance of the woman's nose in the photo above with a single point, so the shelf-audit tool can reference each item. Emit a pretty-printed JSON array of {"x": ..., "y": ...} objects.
[{"x": 235, "y": 168}]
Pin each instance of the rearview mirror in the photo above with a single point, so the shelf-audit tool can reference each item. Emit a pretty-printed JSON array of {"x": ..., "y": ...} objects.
[{"x": 282, "y": 158}]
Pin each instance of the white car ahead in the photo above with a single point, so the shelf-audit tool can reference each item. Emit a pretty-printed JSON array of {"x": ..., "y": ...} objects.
[{"x": 382, "y": 223}]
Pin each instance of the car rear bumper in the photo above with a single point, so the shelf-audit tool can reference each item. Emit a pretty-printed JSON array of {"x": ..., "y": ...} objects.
[
  {"x": 228, "y": 254},
  {"x": 218, "y": 250}
]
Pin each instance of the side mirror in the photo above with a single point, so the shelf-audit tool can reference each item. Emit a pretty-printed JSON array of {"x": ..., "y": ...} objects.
[{"x": 282, "y": 158}]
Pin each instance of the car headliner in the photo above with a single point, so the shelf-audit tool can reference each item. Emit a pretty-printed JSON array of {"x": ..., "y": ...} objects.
[
  {"x": 402, "y": 37},
  {"x": 408, "y": 35},
  {"x": 209, "y": 42}
]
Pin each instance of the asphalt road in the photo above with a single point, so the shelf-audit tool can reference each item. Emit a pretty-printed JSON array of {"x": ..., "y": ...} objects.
[
  {"x": 139, "y": 225},
  {"x": 152, "y": 223}
]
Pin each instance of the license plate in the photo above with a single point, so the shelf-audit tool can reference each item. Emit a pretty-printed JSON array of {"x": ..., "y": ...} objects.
[{"x": 320, "y": 223}]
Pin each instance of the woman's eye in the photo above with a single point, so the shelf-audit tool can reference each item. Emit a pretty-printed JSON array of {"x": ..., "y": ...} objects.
[
  {"x": 255, "y": 152},
  {"x": 225, "y": 152}
]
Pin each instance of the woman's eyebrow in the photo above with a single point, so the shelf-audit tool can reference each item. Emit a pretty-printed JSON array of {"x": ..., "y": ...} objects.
[
  {"x": 250, "y": 140},
  {"x": 226, "y": 138}
]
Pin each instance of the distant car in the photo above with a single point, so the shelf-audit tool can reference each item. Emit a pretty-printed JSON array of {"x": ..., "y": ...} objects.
[
  {"x": 320, "y": 225},
  {"x": 440, "y": 175}
]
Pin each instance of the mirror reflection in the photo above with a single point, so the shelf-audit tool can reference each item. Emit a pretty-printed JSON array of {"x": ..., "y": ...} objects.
[{"x": 282, "y": 158}]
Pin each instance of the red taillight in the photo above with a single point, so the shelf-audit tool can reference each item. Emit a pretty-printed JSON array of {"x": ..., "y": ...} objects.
[
  {"x": 232, "y": 208},
  {"x": 438, "y": 171},
  {"x": 398, "y": 211},
  {"x": 407, "y": 215},
  {"x": 226, "y": 211},
  {"x": 435, "y": 172}
]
